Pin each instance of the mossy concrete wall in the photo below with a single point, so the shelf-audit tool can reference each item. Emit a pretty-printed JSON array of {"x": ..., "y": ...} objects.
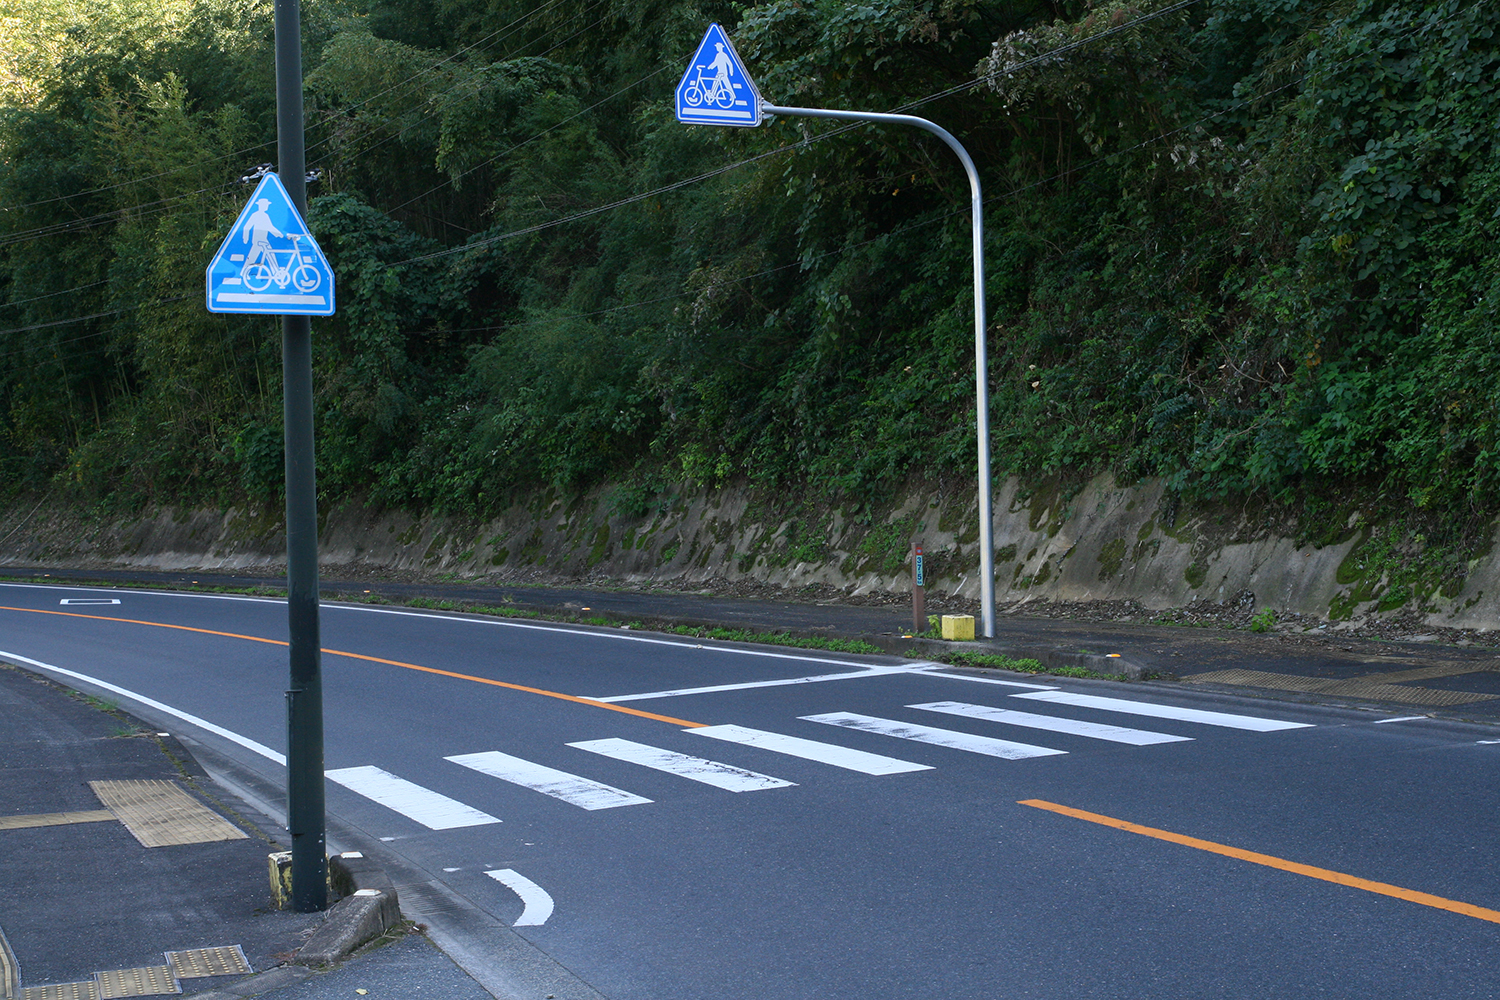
[{"x": 1097, "y": 541}]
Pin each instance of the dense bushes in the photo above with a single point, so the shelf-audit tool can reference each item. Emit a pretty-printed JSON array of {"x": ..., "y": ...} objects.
[{"x": 1246, "y": 245}]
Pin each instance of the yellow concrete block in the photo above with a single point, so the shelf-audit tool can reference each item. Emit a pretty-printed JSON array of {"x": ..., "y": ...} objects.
[{"x": 958, "y": 627}]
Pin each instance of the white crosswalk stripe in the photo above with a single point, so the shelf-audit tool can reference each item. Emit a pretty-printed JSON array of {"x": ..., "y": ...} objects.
[
  {"x": 710, "y": 772},
  {"x": 438, "y": 812},
  {"x": 1053, "y": 724},
  {"x": 1247, "y": 722},
  {"x": 823, "y": 753},
  {"x": 431, "y": 809},
  {"x": 938, "y": 737},
  {"x": 569, "y": 788}
]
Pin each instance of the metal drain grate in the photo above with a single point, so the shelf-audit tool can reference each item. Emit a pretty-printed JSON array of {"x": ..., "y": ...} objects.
[
  {"x": 199, "y": 963},
  {"x": 152, "y": 980},
  {"x": 62, "y": 991}
]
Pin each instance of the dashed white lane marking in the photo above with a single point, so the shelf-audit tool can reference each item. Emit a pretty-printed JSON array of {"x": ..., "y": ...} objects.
[
  {"x": 938, "y": 737},
  {"x": 569, "y": 788},
  {"x": 1402, "y": 718},
  {"x": 710, "y": 772},
  {"x": 88, "y": 601},
  {"x": 1053, "y": 724},
  {"x": 537, "y": 903},
  {"x": 433, "y": 810},
  {"x": 823, "y": 753},
  {"x": 1228, "y": 721}
]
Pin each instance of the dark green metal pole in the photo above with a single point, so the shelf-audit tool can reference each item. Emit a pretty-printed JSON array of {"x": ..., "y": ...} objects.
[{"x": 304, "y": 697}]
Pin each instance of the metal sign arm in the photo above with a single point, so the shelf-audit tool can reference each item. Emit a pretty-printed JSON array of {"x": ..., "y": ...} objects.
[{"x": 981, "y": 363}]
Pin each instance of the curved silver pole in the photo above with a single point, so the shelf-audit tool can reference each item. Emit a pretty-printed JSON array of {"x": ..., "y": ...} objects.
[{"x": 981, "y": 362}]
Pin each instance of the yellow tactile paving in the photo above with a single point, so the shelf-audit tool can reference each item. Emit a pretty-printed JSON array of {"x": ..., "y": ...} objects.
[
  {"x": 55, "y": 819},
  {"x": 160, "y": 814},
  {"x": 150, "y": 981},
  {"x": 62, "y": 991},
  {"x": 198, "y": 963}
]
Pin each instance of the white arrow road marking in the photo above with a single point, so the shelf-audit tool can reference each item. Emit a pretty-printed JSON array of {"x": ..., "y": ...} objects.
[
  {"x": 569, "y": 788},
  {"x": 538, "y": 905},
  {"x": 823, "y": 753},
  {"x": 1224, "y": 719},
  {"x": 432, "y": 809},
  {"x": 1052, "y": 724},
  {"x": 938, "y": 737},
  {"x": 710, "y": 772}
]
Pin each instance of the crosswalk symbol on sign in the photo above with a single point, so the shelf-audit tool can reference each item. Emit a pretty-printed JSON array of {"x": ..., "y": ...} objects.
[
  {"x": 269, "y": 262},
  {"x": 716, "y": 89}
]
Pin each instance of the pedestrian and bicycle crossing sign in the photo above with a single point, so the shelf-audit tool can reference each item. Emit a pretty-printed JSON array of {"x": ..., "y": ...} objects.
[
  {"x": 269, "y": 262},
  {"x": 716, "y": 89}
]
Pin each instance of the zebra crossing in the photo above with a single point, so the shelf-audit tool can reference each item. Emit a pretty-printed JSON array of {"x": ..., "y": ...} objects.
[{"x": 440, "y": 812}]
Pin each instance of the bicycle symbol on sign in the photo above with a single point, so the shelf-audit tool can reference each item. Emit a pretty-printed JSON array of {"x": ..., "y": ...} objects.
[
  {"x": 263, "y": 266},
  {"x": 717, "y": 90}
]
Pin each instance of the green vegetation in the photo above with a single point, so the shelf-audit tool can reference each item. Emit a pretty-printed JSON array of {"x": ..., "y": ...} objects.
[
  {"x": 1024, "y": 665},
  {"x": 1244, "y": 245}
]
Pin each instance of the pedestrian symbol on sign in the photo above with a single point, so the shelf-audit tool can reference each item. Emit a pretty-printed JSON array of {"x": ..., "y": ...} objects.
[
  {"x": 269, "y": 262},
  {"x": 716, "y": 89}
]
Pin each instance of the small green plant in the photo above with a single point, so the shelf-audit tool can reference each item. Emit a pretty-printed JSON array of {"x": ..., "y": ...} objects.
[{"x": 1263, "y": 620}]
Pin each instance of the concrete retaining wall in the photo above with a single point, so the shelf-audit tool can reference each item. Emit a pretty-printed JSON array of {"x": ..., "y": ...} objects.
[{"x": 1099, "y": 542}]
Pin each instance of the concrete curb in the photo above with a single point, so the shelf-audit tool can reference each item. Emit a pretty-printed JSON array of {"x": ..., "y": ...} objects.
[
  {"x": 1100, "y": 663},
  {"x": 368, "y": 909}
]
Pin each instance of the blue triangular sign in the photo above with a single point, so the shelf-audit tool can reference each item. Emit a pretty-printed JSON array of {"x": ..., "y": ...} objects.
[
  {"x": 269, "y": 262},
  {"x": 716, "y": 90}
]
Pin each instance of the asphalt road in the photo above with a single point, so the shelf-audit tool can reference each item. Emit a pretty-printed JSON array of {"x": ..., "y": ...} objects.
[{"x": 922, "y": 832}]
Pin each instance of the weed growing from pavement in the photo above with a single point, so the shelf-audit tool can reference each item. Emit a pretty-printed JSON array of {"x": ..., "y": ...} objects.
[
  {"x": 690, "y": 631},
  {"x": 1026, "y": 665}
]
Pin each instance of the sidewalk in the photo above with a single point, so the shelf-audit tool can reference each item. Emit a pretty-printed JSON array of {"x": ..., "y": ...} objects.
[{"x": 89, "y": 910}]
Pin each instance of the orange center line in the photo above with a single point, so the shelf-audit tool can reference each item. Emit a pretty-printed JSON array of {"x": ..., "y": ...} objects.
[
  {"x": 1339, "y": 878},
  {"x": 624, "y": 710}
]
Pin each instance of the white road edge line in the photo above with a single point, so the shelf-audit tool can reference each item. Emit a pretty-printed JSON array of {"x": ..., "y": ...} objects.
[
  {"x": 537, "y": 904},
  {"x": 1402, "y": 718},
  {"x": 141, "y": 699},
  {"x": 493, "y": 622}
]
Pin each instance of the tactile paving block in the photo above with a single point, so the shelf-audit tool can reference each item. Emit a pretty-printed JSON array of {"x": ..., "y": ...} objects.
[
  {"x": 160, "y": 814},
  {"x": 199, "y": 963},
  {"x": 62, "y": 991},
  {"x": 153, "y": 980}
]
